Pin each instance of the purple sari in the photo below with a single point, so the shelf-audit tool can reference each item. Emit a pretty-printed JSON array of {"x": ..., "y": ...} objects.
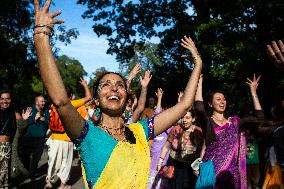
[{"x": 228, "y": 154}]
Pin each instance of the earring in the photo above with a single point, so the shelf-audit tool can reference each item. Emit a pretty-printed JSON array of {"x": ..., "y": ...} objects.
[{"x": 97, "y": 112}]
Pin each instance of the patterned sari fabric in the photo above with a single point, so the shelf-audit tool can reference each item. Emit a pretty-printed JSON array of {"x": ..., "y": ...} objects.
[
  {"x": 5, "y": 154},
  {"x": 228, "y": 154},
  {"x": 127, "y": 167}
]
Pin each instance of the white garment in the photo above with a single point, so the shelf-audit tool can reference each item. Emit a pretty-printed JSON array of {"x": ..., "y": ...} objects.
[
  {"x": 272, "y": 156},
  {"x": 60, "y": 156}
]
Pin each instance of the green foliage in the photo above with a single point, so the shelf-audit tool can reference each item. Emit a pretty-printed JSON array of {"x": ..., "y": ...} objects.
[
  {"x": 37, "y": 85},
  {"x": 18, "y": 68},
  {"x": 95, "y": 75},
  {"x": 71, "y": 71},
  {"x": 231, "y": 36}
]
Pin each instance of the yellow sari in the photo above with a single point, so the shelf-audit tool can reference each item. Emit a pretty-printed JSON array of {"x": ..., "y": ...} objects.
[{"x": 128, "y": 166}]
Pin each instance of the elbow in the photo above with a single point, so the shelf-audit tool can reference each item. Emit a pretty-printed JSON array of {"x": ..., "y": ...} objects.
[{"x": 60, "y": 102}]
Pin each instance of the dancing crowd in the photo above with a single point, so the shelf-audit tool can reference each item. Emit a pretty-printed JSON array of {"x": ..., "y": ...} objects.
[{"x": 122, "y": 144}]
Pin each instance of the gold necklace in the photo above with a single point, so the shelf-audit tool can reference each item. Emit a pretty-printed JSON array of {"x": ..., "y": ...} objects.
[
  {"x": 122, "y": 128},
  {"x": 218, "y": 120}
]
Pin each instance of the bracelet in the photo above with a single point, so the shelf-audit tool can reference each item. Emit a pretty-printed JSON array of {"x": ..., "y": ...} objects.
[
  {"x": 42, "y": 26},
  {"x": 162, "y": 158},
  {"x": 195, "y": 57},
  {"x": 254, "y": 96},
  {"x": 44, "y": 32}
]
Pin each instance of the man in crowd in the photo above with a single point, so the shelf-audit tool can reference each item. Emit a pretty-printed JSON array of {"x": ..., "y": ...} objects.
[{"x": 34, "y": 138}]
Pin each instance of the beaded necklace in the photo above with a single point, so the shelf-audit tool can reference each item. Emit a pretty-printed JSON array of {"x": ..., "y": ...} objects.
[{"x": 122, "y": 129}]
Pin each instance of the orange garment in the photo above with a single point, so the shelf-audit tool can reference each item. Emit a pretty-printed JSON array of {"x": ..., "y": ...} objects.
[
  {"x": 83, "y": 110},
  {"x": 273, "y": 178},
  {"x": 64, "y": 136}
]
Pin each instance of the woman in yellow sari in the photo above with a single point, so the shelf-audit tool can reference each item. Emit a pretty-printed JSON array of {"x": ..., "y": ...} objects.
[{"x": 113, "y": 155}]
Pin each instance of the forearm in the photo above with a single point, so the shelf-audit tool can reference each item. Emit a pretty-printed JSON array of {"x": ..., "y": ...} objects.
[
  {"x": 22, "y": 124},
  {"x": 159, "y": 104},
  {"x": 203, "y": 150},
  {"x": 88, "y": 95},
  {"x": 141, "y": 104},
  {"x": 170, "y": 116},
  {"x": 198, "y": 95},
  {"x": 165, "y": 150},
  {"x": 48, "y": 70},
  {"x": 163, "y": 154},
  {"x": 255, "y": 100},
  {"x": 55, "y": 87}
]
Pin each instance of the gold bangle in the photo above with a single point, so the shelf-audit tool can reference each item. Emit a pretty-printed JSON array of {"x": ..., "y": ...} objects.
[
  {"x": 44, "y": 32},
  {"x": 44, "y": 26}
]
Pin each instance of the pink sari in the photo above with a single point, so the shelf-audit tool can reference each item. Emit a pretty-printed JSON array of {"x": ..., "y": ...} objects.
[{"x": 228, "y": 154}]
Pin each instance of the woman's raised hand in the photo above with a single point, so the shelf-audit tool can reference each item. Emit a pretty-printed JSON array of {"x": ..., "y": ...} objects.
[
  {"x": 136, "y": 69},
  {"x": 253, "y": 83},
  {"x": 83, "y": 82},
  {"x": 276, "y": 54},
  {"x": 180, "y": 94},
  {"x": 44, "y": 21},
  {"x": 187, "y": 43},
  {"x": 146, "y": 79},
  {"x": 159, "y": 93}
]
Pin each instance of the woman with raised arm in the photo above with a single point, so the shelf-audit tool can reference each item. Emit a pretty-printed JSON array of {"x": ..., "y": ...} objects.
[
  {"x": 131, "y": 115},
  {"x": 225, "y": 143},
  {"x": 185, "y": 145},
  {"x": 155, "y": 180},
  {"x": 112, "y": 155}
]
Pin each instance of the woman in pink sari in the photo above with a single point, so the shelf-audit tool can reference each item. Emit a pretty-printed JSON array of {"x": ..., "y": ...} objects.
[{"x": 225, "y": 143}]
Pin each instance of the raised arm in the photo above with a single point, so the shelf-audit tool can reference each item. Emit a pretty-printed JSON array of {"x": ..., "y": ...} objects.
[
  {"x": 88, "y": 95},
  {"x": 170, "y": 116},
  {"x": 142, "y": 99},
  {"x": 136, "y": 69},
  {"x": 198, "y": 95},
  {"x": 159, "y": 95},
  {"x": 253, "y": 84},
  {"x": 276, "y": 54},
  {"x": 44, "y": 22}
]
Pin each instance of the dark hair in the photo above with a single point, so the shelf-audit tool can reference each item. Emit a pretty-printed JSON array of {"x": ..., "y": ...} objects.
[
  {"x": 69, "y": 91},
  {"x": 12, "y": 105},
  {"x": 211, "y": 95},
  {"x": 279, "y": 98},
  {"x": 6, "y": 91},
  {"x": 96, "y": 85}
]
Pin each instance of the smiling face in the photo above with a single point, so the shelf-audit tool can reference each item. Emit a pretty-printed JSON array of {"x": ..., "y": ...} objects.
[
  {"x": 218, "y": 102},
  {"x": 112, "y": 94},
  {"x": 5, "y": 100},
  {"x": 187, "y": 120}
]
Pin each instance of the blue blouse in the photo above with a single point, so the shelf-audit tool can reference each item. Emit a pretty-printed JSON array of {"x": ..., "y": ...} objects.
[{"x": 95, "y": 147}]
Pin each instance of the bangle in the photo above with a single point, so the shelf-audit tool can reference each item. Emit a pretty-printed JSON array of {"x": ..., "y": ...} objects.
[
  {"x": 162, "y": 158},
  {"x": 42, "y": 26},
  {"x": 44, "y": 32},
  {"x": 196, "y": 57}
]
